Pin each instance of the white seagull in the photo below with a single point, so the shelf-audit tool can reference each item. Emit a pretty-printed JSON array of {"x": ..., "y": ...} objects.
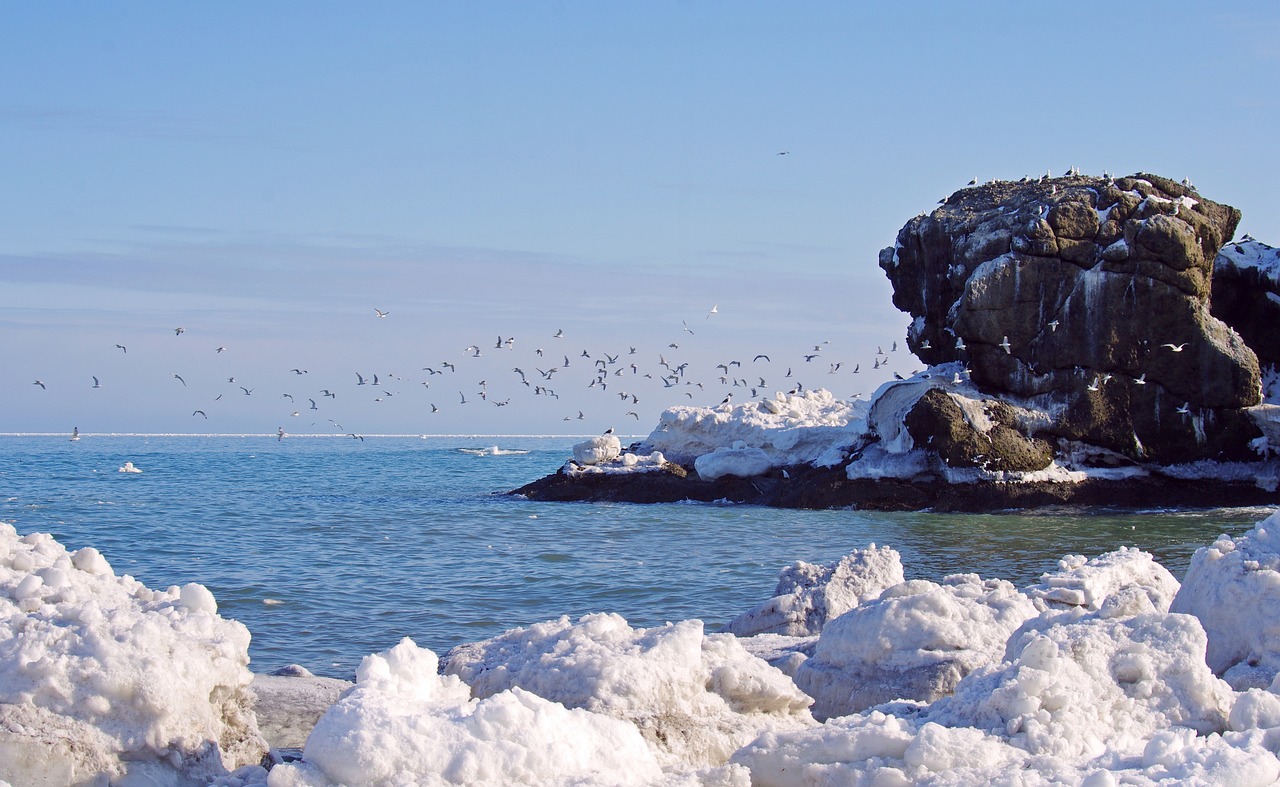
[
  {"x": 1175, "y": 347},
  {"x": 1004, "y": 343}
]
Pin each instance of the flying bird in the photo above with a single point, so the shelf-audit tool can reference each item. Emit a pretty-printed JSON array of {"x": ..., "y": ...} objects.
[
  {"x": 96, "y": 384},
  {"x": 1175, "y": 347},
  {"x": 179, "y": 331},
  {"x": 380, "y": 312},
  {"x": 1004, "y": 344},
  {"x": 220, "y": 349},
  {"x": 247, "y": 391},
  {"x": 122, "y": 348},
  {"x": 179, "y": 379},
  {"x": 41, "y": 384},
  {"x": 714, "y": 310},
  {"x": 199, "y": 412}
]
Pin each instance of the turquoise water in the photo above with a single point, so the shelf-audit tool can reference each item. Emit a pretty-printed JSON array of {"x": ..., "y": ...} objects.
[{"x": 332, "y": 548}]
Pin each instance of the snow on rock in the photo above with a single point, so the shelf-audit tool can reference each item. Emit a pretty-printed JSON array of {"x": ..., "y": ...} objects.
[
  {"x": 625, "y": 463},
  {"x": 739, "y": 460},
  {"x": 405, "y": 724},
  {"x": 103, "y": 678},
  {"x": 1233, "y": 587},
  {"x": 1079, "y": 582},
  {"x": 808, "y": 595},
  {"x": 813, "y": 427},
  {"x": 597, "y": 450},
  {"x": 916, "y": 641},
  {"x": 695, "y": 698}
]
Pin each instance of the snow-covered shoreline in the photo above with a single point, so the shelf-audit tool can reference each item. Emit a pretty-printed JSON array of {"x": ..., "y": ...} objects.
[{"x": 1108, "y": 670}]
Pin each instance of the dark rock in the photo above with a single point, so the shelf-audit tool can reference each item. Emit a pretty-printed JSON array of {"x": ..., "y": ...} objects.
[
  {"x": 937, "y": 422},
  {"x": 1246, "y": 295},
  {"x": 1069, "y": 289}
]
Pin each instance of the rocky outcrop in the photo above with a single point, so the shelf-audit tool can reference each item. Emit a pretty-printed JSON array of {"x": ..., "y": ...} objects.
[
  {"x": 1246, "y": 295},
  {"x": 1091, "y": 298}
]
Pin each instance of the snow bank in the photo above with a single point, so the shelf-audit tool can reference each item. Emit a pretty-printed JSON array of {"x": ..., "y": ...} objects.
[
  {"x": 102, "y": 677},
  {"x": 1080, "y": 582},
  {"x": 813, "y": 427},
  {"x": 916, "y": 641},
  {"x": 809, "y": 595},
  {"x": 405, "y": 724},
  {"x": 1233, "y": 587},
  {"x": 625, "y": 463},
  {"x": 695, "y": 698},
  {"x": 1251, "y": 254}
]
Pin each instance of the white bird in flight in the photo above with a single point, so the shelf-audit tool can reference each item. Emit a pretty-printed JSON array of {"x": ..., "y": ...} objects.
[
  {"x": 1175, "y": 347},
  {"x": 1004, "y": 343},
  {"x": 380, "y": 312},
  {"x": 714, "y": 310}
]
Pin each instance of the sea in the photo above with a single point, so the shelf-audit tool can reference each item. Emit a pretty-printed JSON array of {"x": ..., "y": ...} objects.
[{"x": 331, "y": 548}]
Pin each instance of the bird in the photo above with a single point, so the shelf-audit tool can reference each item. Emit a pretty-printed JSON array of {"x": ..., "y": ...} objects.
[
  {"x": 287, "y": 396},
  {"x": 179, "y": 379},
  {"x": 123, "y": 348},
  {"x": 714, "y": 310},
  {"x": 219, "y": 349},
  {"x": 247, "y": 391},
  {"x": 1094, "y": 385},
  {"x": 1175, "y": 347},
  {"x": 925, "y": 345},
  {"x": 1004, "y": 343},
  {"x": 1053, "y": 325},
  {"x": 1141, "y": 379},
  {"x": 179, "y": 331},
  {"x": 609, "y": 430},
  {"x": 758, "y": 357},
  {"x": 360, "y": 379},
  {"x": 313, "y": 404},
  {"x": 380, "y": 312},
  {"x": 199, "y": 412},
  {"x": 728, "y": 398},
  {"x": 1185, "y": 409},
  {"x": 960, "y": 343},
  {"x": 328, "y": 393},
  {"x": 41, "y": 384},
  {"x": 96, "y": 384},
  {"x": 686, "y": 327},
  {"x": 298, "y": 371},
  {"x": 559, "y": 334},
  {"x": 783, "y": 152}
]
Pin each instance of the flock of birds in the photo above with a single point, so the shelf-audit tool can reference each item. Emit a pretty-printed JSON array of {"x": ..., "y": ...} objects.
[{"x": 626, "y": 384}]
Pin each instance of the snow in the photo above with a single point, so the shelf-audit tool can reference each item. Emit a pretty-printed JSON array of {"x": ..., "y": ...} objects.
[
  {"x": 696, "y": 698},
  {"x": 813, "y": 427},
  {"x": 915, "y": 641},
  {"x": 739, "y": 460},
  {"x": 809, "y": 595},
  {"x": 1251, "y": 254},
  {"x": 405, "y": 724},
  {"x": 1105, "y": 671},
  {"x": 597, "y": 450},
  {"x": 102, "y": 675}
]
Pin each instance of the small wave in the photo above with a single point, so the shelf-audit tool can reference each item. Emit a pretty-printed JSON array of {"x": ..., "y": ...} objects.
[{"x": 492, "y": 451}]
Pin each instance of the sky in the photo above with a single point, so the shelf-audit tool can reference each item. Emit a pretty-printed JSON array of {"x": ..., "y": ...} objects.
[{"x": 267, "y": 176}]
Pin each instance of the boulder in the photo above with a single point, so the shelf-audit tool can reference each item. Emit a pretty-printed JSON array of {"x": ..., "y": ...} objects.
[
  {"x": 1246, "y": 295},
  {"x": 1090, "y": 296}
]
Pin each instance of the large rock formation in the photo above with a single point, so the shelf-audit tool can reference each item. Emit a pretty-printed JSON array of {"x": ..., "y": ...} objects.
[
  {"x": 1246, "y": 295},
  {"x": 1090, "y": 298}
]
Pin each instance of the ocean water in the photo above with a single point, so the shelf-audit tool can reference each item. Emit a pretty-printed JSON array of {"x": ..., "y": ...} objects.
[{"x": 330, "y": 548}]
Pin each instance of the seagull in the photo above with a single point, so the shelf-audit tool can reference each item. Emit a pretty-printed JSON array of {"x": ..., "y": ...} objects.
[
  {"x": 360, "y": 379},
  {"x": 714, "y": 310},
  {"x": 435, "y": 409},
  {"x": 1053, "y": 325},
  {"x": 179, "y": 379},
  {"x": 96, "y": 384},
  {"x": 298, "y": 371},
  {"x": 179, "y": 331},
  {"x": 122, "y": 348},
  {"x": 219, "y": 349},
  {"x": 1141, "y": 380},
  {"x": 686, "y": 326},
  {"x": 380, "y": 312},
  {"x": 1094, "y": 385},
  {"x": 287, "y": 396},
  {"x": 1185, "y": 409},
  {"x": 328, "y": 393},
  {"x": 783, "y": 152},
  {"x": 559, "y": 334},
  {"x": 925, "y": 345},
  {"x": 1175, "y": 347},
  {"x": 313, "y": 404},
  {"x": 41, "y": 384},
  {"x": 960, "y": 343},
  {"x": 1004, "y": 342},
  {"x": 464, "y": 397},
  {"x": 200, "y": 412},
  {"x": 247, "y": 391},
  {"x": 609, "y": 430},
  {"x": 728, "y": 398},
  {"x": 758, "y": 357}
]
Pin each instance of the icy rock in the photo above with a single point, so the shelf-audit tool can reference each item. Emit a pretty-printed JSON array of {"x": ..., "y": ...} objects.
[
  {"x": 695, "y": 698},
  {"x": 405, "y": 724},
  {"x": 104, "y": 679},
  {"x": 808, "y": 595},
  {"x": 597, "y": 450},
  {"x": 739, "y": 460},
  {"x": 1233, "y": 587},
  {"x": 916, "y": 641}
]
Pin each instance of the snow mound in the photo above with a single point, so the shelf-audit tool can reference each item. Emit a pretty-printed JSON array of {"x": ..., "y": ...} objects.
[
  {"x": 916, "y": 641},
  {"x": 809, "y": 595},
  {"x": 740, "y": 460},
  {"x": 1088, "y": 583},
  {"x": 597, "y": 450},
  {"x": 695, "y": 698},
  {"x": 813, "y": 427},
  {"x": 1233, "y": 587},
  {"x": 626, "y": 463},
  {"x": 102, "y": 678},
  {"x": 405, "y": 724}
]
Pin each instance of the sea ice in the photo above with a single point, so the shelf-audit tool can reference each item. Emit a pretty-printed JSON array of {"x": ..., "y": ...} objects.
[
  {"x": 597, "y": 450},
  {"x": 809, "y": 595},
  {"x": 696, "y": 698},
  {"x": 102, "y": 677}
]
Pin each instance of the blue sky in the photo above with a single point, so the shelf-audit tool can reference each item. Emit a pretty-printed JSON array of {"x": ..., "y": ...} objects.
[{"x": 266, "y": 175}]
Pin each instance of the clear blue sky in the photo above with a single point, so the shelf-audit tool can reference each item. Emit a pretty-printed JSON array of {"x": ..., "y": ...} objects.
[{"x": 265, "y": 175}]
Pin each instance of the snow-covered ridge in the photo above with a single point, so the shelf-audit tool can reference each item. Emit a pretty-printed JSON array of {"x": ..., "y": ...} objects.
[{"x": 1251, "y": 254}]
